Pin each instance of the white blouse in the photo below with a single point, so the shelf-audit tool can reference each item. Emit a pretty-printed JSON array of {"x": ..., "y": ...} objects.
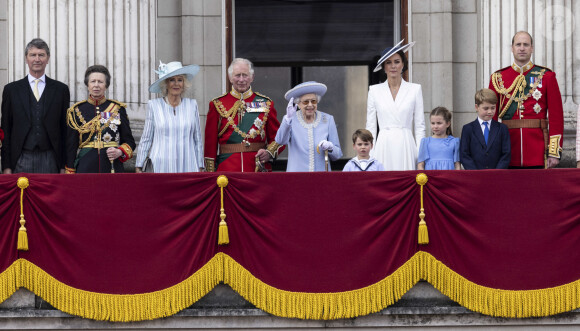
[{"x": 172, "y": 137}]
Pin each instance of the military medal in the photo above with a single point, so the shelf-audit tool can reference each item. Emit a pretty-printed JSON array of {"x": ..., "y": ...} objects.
[
  {"x": 537, "y": 95},
  {"x": 537, "y": 108}
]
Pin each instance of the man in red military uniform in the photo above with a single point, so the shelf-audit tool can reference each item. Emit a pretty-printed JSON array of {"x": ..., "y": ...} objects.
[
  {"x": 530, "y": 104},
  {"x": 241, "y": 126}
]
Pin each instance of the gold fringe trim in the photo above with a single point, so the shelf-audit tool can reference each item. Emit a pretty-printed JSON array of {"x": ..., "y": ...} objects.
[
  {"x": 320, "y": 306},
  {"x": 121, "y": 307},
  {"x": 9, "y": 281},
  {"x": 373, "y": 298},
  {"x": 497, "y": 302}
]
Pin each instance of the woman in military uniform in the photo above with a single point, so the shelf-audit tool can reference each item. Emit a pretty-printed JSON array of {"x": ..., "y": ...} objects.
[{"x": 100, "y": 134}]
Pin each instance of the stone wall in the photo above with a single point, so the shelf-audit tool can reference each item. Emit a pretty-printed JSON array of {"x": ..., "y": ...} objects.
[
  {"x": 222, "y": 308},
  {"x": 460, "y": 43}
]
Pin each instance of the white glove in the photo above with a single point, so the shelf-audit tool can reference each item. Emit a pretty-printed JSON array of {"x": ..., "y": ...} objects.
[
  {"x": 326, "y": 145},
  {"x": 291, "y": 110}
]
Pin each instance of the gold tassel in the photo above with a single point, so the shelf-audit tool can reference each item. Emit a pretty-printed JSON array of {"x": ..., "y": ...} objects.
[
  {"x": 22, "y": 244},
  {"x": 223, "y": 235},
  {"x": 423, "y": 233},
  {"x": 423, "y": 236}
]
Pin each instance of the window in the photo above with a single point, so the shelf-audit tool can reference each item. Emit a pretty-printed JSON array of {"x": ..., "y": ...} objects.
[{"x": 333, "y": 42}]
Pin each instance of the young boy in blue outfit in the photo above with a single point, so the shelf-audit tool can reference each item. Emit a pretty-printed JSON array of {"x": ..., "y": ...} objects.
[
  {"x": 485, "y": 143},
  {"x": 362, "y": 143}
]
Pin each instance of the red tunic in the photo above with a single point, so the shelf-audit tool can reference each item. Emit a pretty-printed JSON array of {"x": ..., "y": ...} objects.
[
  {"x": 258, "y": 125},
  {"x": 539, "y": 95}
]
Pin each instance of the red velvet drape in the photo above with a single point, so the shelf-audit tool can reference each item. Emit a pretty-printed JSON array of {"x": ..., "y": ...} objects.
[{"x": 326, "y": 232}]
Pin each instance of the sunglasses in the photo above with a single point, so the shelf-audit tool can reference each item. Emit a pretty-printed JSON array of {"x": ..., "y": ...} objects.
[{"x": 306, "y": 102}]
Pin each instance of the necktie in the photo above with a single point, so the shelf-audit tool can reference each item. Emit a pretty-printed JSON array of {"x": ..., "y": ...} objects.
[
  {"x": 36, "y": 94},
  {"x": 485, "y": 132}
]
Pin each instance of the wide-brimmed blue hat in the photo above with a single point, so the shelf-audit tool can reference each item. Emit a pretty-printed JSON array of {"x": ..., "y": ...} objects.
[
  {"x": 390, "y": 51},
  {"x": 305, "y": 88},
  {"x": 172, "y": 69}
]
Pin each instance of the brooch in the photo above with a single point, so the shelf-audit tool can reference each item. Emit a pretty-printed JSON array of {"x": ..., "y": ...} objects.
[{"x": 107, "y": 137}]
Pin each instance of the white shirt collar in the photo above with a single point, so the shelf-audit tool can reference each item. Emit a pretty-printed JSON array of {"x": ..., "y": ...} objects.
[
  {"x": 31, "y": 79},
  {"x": 481, "y": 122}
]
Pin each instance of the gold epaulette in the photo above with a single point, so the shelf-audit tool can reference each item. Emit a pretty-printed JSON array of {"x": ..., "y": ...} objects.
[
  {"x": 502, "y": 69},
  {"x": 263, "y": 96},
  {"x": 221, "y": 96},
  {"x": 123, "y": 105},
  {"x": 75, "y": 105},
  {"x": 546, "y": 68}
]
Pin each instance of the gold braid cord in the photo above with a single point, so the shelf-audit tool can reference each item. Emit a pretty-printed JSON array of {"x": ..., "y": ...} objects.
[
  {"x": 423, "y": 236},
  {"x": 223, "y": 235},
  {"x": 229, "y": 115},
  {"x": 93, "y": 126},
  {"x": 22, "y": 244},
  {"x": 518, "y": 85},
  {"x": 219, "y": 106},
  {"x": 515, "y": 92}
]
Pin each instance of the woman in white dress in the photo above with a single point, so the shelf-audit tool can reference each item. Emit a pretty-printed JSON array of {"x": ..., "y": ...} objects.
[
  {"x": 172, "y": 135},
  {"x": 395, "y": 106}
]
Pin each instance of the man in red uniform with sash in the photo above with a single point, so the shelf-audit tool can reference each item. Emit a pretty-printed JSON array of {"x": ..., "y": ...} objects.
[
  {"x": 530, "y": 104},
  {"x": 241, "y": 126}
]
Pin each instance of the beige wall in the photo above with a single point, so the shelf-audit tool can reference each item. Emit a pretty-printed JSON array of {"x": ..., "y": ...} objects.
[
  {"x": 3, "y": 42},
  {"x": 457, "y": 48},
  {"x": 461, "y": 42},
  {"x": 191, "y": 31},
  {"x": 445, "y": 57}
]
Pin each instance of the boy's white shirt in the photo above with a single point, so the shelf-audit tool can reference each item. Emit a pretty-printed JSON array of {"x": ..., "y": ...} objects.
[{"x": 363, "y": 163}]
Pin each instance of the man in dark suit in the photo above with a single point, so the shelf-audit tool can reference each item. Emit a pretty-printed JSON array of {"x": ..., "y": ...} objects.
[
  {"x": 34, "y": 117},
  {"x": 485, "y": 143}
]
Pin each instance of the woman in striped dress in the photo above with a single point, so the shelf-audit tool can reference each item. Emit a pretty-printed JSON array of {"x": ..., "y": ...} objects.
[{"x": 171, "y": 139}]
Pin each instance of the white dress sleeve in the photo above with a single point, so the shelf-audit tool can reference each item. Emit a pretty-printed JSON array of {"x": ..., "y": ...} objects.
[
  {"x": 419, "y": 118},
  {"x": 147, "y": 136}
]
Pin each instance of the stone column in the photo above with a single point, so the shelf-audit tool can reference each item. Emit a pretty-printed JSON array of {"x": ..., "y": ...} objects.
[
  {"x": 191, "y": 31},
  {"x": 3, "y": 42},
  {"x": 203, "y": 45},
  {"x": 119, "y": 34},
  {"x": 552, "y": 24},
  {"x": 432, "y": 55}
]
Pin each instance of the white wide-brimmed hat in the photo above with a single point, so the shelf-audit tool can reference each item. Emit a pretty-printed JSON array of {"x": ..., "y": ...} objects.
[
  {"x": 305, "y": 88},
  {"x": 390, "y": 51},
  {"x": 172, "y": 69}
]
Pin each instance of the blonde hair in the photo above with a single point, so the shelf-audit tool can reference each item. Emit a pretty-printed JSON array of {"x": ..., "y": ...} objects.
[
  {"x": 485, "y": 95},
  {"x": 163, "y": 85}
]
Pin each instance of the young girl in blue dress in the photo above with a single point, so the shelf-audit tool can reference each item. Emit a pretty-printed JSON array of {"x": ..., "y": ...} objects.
[{"x": 440, "y": 151}]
